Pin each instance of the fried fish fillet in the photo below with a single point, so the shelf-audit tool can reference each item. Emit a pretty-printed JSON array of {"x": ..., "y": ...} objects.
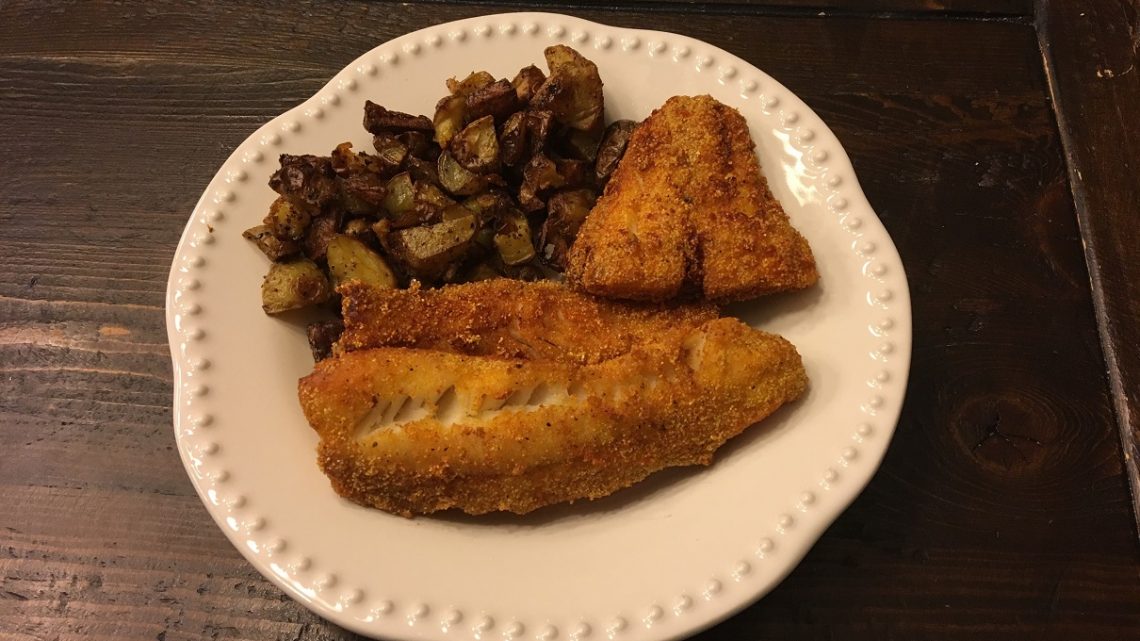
[
  {"x": 688, "y": 212},
  {"x": 507, "y": 318},
  {"x": 414, "y": 431}
]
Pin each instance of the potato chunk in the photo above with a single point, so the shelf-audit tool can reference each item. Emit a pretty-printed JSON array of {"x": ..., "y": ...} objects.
[
  {"x": 350, "y": 259},
  {"x": 292, "y": 285},
  {"x": 573, "y": 91}
]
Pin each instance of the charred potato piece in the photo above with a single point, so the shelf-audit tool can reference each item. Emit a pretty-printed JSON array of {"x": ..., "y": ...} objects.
[
  {"x": 292, "y": 285},
  {"x": 269, "y": 244},
  {"x": 286, "y": 220},
  {"x": 583, "y": 145},
  {"x": 513, "y": 239},
  {"x": 350, "y": 259},
  {"x": 540, "y": 174},
  {"x": 513, "y": 140},
  {"x": 358, "y": 228},
  {"x": 320, "y": 233},
  {"x": 474, "y": 81},
  {"x": 538, "y": 126},
  {"x": 423, "y": 171},
  {"x": 488, "y": 204},
  {"x": 612, "y": 149},
  {"x": 497, "y": 99},
  {"x": 429, "y": 251},
  {"x": 308, "y": 181},
  {"x": 574, "y": 173},
  {"x": 363, "y": 194},
  {"x": 450, "y": 113},
  {"x": 390, "y": 151},
  {"x": 419, "y": 145},
  {"x": 573, "y": 91},
  {"x": 322, "y": 335},
  {"x": 456, "y": 179},
  {"x": 567, "y": 210},
  {"x": 527, "y": 81},
  {"x": 378, "y": 120},
  {"x": 430, "y": 195},
  {"x": 476, "y": 147},
  {"x": 400, "y": 201}
]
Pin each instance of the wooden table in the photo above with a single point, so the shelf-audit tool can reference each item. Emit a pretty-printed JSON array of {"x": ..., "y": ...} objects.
[{"x": 998, "y": 140}]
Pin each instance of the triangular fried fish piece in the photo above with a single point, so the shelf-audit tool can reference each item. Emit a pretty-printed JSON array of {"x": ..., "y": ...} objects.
[{"x": 688, "y": 212}]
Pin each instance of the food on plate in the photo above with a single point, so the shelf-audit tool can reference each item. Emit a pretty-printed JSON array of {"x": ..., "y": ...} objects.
[
  {"x": 294, "y": 284},
  {"x": 505, "y": 318},
  {"x": 450, "y": 380},
  {"x": 495, "y": 183},
  {"x": 687, "y": 212},
  {"x": 415, "y": 431}
]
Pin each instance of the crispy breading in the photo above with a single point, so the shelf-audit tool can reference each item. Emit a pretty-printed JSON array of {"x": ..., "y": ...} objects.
[
  {"x": 414, "y": 431},
  {"x": 689, "y": 212},
  {"x": 507, "y": 318}
]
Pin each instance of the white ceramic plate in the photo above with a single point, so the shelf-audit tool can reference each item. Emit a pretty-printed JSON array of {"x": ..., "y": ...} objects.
[{"x": 661, "y": 560}]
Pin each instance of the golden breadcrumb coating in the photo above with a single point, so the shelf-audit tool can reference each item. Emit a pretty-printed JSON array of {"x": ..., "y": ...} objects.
[
  {"x": 507, "y": 318},
  {"x": 414, "y": 431},
  {"x": 688, "y": 212}
]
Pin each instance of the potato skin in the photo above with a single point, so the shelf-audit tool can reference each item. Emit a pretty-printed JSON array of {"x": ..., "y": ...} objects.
[{"x": 294, "y": 284}]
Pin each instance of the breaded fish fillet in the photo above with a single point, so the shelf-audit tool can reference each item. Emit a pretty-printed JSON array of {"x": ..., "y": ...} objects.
[
  {"x": 507, "y": 318},
  {"x": 414, "y": 431},
  {"x": 688, "y": 212}
]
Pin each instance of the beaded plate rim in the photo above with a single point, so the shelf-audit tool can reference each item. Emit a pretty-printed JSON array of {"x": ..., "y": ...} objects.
[{"x": 809, "y": 511}]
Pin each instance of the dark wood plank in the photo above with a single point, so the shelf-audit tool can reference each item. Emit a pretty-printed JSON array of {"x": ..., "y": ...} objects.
[
  {"x": 1005, "y": 467},
  {"x": 1092, "y": 56},
  {"x": 941, "y": 9}
]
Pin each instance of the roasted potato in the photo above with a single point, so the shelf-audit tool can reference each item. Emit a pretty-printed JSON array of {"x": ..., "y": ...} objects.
[
  {"x": 363, "y": 194},
  {"x": 538, "y": 126},
  {"x": 476, "y": 147},
  {"x": 419, "y": 145},
  {"x": 307, "y": 181},
  {"x": 423, "y": 170},
  {"x": 540, "y": 174},
  {"x": 350, "y": 259},
  {"x": 526, "y": 82},
  {"x": 359, "y": 229},
  {"x": 583, "y": 145},
  {"x": 450, "y": 114},
  {"x": 456, "y": 179},
  {"x": 513, "y": 146},
  {"x": 572, "y": 91},
  {"x": 378, "y": 120},
  {"x": 322, "y": 335},
  {"x": 400, "y": 201},
  {"x": 286, "y": 220},
  {"x": 513, "y": 239},
  {"x": 566, "y": 211},
  {"x": 612, "y": 149},
  {"x": 390, "y": 151},
  {"x": 474, "y": 81},
  {"x": 293, "y": 284},
  {"x": 523, "y": 155},
  {"x": 270, "y": 245},
  {"x": 497, "y": 99},
  {"x": 321, "y": 231},
  {"x": 429, "y": 251}
]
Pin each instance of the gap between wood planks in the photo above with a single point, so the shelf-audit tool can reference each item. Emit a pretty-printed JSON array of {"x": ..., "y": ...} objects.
[{"x": 1103, "y": 149}]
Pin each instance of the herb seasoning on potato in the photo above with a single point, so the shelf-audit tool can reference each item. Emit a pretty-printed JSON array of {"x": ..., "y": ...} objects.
[{"x": 495, "y": 183}]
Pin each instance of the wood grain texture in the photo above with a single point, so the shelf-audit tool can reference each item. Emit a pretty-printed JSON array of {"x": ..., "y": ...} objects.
[
  {"x": 938, "y": 9},
  {"x": 1097, "y": 100},
  {"x": 1001, "y": 510}
]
